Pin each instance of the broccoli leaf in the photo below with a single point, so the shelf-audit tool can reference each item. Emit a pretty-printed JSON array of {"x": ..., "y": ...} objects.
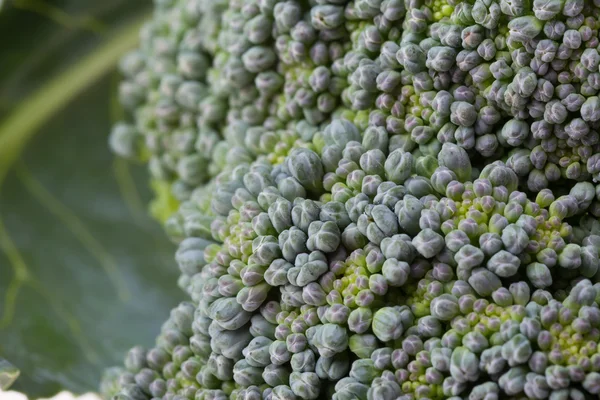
[
  {"x": 8, "y": 374},
  {"x": 85, "y": 273}
]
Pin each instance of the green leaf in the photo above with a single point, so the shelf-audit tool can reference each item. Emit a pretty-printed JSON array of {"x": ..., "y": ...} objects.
[
  {"x": 85, "y": 273},
  {"x": 8, "y": 374}
]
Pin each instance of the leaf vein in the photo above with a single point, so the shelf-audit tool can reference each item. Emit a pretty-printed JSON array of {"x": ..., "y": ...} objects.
[
  {"x": 21, "y": 125},
  {"x": 60, "y": 16},
  {"x": 77, "y": 227},
  {"x": 21, "y": 275}
]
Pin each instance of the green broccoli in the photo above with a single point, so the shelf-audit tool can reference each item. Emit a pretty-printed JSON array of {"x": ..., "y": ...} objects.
[{"x": 378, "y": 199}]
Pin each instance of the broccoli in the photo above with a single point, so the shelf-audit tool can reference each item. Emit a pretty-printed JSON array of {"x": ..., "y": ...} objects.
[{"x": 375, "y": 199}]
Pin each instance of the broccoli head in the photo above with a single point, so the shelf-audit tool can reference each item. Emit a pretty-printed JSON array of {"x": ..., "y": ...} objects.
[{"x": 375, "y": 199}]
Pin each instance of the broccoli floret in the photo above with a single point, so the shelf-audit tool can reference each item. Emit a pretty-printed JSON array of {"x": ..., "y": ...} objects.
[
  {"x": 379, "y": 199},
  {"x": 299, "y": 291},
  {"x": 215, "y": 85}
]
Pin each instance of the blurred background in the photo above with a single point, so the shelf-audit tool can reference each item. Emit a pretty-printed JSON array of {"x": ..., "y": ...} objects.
[
  {"x": 13, "y": 395},
  {"x": 85, "y": 273}
]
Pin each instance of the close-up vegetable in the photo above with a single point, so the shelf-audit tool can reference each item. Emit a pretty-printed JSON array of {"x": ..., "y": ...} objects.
[{"x": 368, "y": 200}]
